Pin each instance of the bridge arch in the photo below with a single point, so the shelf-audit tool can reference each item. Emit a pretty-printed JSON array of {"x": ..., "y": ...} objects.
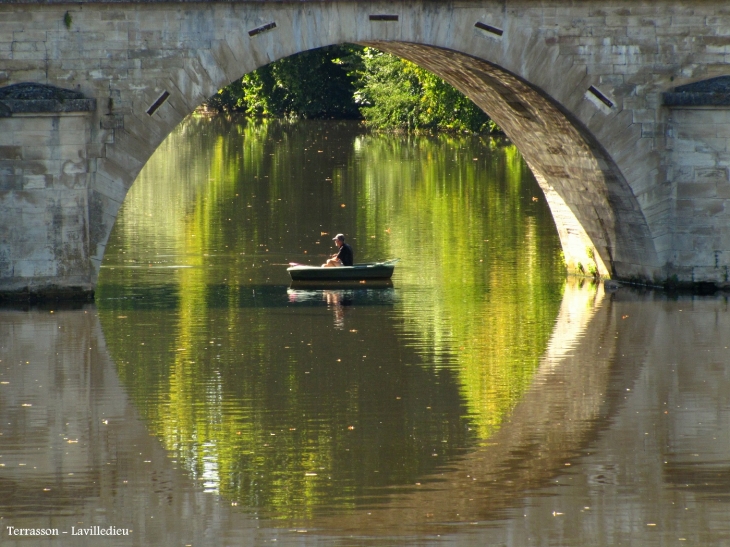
[
  {"x": 598, "y": 174},
  {"x": 594, "y": 209}
]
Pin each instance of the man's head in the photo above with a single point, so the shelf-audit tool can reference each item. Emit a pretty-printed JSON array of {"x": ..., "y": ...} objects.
[{"x": 339, "y": 240}]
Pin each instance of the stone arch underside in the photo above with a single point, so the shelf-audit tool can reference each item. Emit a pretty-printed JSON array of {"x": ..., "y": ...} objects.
[
  {"x": 597, "y": 216},
  {"x": 600, "y": 223}
]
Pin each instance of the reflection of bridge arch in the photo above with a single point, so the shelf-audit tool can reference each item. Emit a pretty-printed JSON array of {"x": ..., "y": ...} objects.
[
  {"x": 113, "y": 463},
  {"x": 573, "y": 395},
  {"x": 150, "y": 65}
]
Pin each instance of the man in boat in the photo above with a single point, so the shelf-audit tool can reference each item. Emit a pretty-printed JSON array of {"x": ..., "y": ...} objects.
[{"x": 344, "y": 255}]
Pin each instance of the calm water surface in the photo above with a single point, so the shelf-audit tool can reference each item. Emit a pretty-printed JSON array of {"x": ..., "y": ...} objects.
[{"x": 481, "y": 399}]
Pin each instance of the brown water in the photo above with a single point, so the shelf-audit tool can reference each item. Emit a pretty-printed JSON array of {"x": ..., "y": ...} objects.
[{"x": 481, "y": 399}]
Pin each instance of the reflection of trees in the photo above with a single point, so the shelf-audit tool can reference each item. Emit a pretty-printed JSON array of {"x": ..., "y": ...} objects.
[
  {"x": 250, "y": 398},
  {"x": 485, "y": 231}
]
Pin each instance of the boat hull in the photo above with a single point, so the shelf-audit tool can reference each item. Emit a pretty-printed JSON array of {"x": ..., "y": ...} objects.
[{"x": 358, "y": 272}]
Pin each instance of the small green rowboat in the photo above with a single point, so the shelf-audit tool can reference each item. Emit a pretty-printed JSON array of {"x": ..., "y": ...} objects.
[{"x": 357, "y": 272}]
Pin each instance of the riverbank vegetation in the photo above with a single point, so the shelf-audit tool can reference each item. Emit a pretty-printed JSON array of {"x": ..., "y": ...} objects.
[{"x": 351, "y": 82}]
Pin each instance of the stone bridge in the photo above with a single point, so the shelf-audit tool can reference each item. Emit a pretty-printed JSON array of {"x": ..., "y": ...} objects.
[{"x": 621, "y": 109}]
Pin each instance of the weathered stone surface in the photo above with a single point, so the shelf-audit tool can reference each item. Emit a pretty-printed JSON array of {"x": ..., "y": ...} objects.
[{"x": 602, "y": 100}]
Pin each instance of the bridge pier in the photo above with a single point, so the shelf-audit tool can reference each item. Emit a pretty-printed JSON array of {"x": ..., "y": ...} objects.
[
  {"x": 45, "y": 171},
  {"x": 598, "y": 97},
  {"x": 698, "y": 150}
]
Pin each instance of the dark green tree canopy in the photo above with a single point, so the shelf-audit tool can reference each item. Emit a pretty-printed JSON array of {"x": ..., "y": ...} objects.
[
  {"x": 352, "y": 82},
  {"x": 315, "y": 84}
]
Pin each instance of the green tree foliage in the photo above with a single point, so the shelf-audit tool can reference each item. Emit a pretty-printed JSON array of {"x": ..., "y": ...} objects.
[
  {"x": 349, "y": 82},
  {"x": 397, "y": 94},
  {"x": 316, "y": 84}
]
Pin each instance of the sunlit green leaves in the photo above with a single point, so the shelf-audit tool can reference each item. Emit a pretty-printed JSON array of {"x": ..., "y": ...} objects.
[
  {"x": 347, "y": 82},
  {"x": 396, "y": 94},
  {"x": 314, "y": 84}
]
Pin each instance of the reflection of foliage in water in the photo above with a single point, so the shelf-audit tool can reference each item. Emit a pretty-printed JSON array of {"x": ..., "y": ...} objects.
[
  {"x": 489, "y": 264},
  {"x": 244, "y": 388}
]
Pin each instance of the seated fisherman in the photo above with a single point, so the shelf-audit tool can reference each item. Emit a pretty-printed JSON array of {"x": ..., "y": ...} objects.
[{"x": 344, "y": 255}]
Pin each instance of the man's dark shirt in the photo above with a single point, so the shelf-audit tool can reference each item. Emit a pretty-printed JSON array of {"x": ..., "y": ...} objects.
[{"x": 345, "y": 255}]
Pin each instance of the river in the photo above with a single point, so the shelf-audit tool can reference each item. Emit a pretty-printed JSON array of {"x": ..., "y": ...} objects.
[{"x": 482, "y": 398}]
